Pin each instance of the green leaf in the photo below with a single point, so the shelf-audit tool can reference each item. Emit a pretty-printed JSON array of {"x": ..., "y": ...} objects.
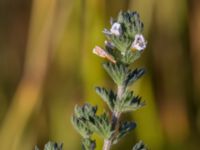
[
  {"x": 130, "y": 56},
  {"x": 81, "y": 118},
  {"x": 129, "y": 102},
  {"x": 81, "y": 126},
  {"x": 101, "y": 125},
  {"x": 134, "y": 75},
  {"x": 51, "y": 146},
  {"x": 108, "y": 96},
  {"x": 131, "y": 22},
  {"x": 122, "y": 43},
  {"x": 139, "y": 146},
  {"x": 86, "y": 122},
  {"x": 88, "y": 144},
  {"x": 124, "y": 129},
  {"x": 118, "y": 72},
  {"x": 85, "y": 111}
]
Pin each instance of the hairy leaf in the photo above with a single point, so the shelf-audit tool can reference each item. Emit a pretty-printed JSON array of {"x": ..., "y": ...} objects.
[
  {"x": 108, "y": 96},
  {"x": 130, "y": 56},
  {"x": 117, "y": 72},
  {"x": 82, "y": 126},
  {"x": 139, "y": 146},
  {"x": 124, "y": 129},
  {"x": 134, "y": 75},
  {"x": 129, "y": 102},
  {"x": 131, "y": 22},
  {"x": 88, "y": 144},
  {"x": 101, "y": 125}
]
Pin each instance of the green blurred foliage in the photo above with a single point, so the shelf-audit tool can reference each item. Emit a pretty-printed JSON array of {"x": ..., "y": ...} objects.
[{"x": 47, "y": 66}]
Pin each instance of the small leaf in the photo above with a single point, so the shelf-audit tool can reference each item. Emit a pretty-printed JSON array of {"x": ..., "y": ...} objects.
[
  {"x": 134, "y": 75},
  {"x": 117, "y": 72},
  {"x": 101, "y": 125},
  {"x": 85, "y": 111},
  {"x": 131, "y": 22},
  {"x": 130, "y": 56},
  {"x": 88, "y": 144},
  {"x": 139, "y": 146},
  {"x": 81, "y": 118},
  {"x": 86, "y": 122},
  {"x": 124, "y": 129},
  {"x": 82, "y": 127},
  {"x": 129, "y": 102},
  {"x": 53, "y": 146},
  {"x": 108, "y": 96}
]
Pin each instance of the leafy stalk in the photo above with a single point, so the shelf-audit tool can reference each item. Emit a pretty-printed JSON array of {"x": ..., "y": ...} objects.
[
  {"x": 124, "y": 45},
  {"x": 115, "y": 119}
]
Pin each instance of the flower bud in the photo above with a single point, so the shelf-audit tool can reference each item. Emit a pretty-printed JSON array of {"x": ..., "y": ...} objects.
[{"x": 102, "y": 53}]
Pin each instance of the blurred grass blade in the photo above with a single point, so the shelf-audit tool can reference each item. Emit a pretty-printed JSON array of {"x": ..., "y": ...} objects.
[{"x": 28, "y": 92}]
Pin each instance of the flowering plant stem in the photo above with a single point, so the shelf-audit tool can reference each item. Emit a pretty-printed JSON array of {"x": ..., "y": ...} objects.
[
  {"x": 123, "y": 46},
  {"x": 115, "y": 119}
]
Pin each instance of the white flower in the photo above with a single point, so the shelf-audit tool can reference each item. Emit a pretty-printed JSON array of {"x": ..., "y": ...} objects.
[
  {"x": 139, "y": 43},
  {"x": 116, "y": 29}
]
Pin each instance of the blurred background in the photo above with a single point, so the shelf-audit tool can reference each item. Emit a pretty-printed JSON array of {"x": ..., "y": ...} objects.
[{"x": 46, "y": 67}]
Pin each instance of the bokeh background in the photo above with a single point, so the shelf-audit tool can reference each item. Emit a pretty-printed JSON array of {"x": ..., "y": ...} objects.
[{"x": 46, "y": 67}]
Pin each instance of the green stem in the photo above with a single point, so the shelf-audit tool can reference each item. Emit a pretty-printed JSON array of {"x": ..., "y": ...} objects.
[{"x": 115, "y": 119}]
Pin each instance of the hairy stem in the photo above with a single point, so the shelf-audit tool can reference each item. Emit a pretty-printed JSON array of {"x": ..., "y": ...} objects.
[{"x": 115, "y": 119}]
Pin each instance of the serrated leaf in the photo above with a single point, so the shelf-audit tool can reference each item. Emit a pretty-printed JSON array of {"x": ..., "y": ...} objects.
[
  {"x": 134, "y": 75},
  {"x": 88, "y": 144},
  {"x": 85, "y": 111},
  {"x": 140, "y": 146},
  {"x": 130, "y": 56},
  {"x": 117, "y": 72},
  {"x": 86, "y": 122},
  {"x": 108, "y": 96},
  {"x": 101, "y": 125},
  {"x": 122, "y": 43},
  {"x": 124, "y": 129},
  {"x": 131, "y": 22},
  {"x": 53, "y": 146},
  {"x": 81, "y": 118},
  {"x": 82, "y": 126},
  {"x": 129, "y": 102}
]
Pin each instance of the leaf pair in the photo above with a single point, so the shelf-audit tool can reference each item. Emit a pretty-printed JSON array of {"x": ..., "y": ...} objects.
[
  {"x": 121, "y": 74},
  {"x": 129, "y": 102},
  {"x": 86, "y": 122}
]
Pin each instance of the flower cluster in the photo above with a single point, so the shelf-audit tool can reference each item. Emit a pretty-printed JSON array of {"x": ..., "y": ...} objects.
[{"x": 124, "y": 37}]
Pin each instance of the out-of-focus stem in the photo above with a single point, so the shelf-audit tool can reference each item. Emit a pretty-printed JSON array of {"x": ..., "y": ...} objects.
[{"x": 115, "y": 119}]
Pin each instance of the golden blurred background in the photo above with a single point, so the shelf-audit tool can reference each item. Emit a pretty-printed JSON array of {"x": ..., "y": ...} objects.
[{"x": 46, "y": 67}]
